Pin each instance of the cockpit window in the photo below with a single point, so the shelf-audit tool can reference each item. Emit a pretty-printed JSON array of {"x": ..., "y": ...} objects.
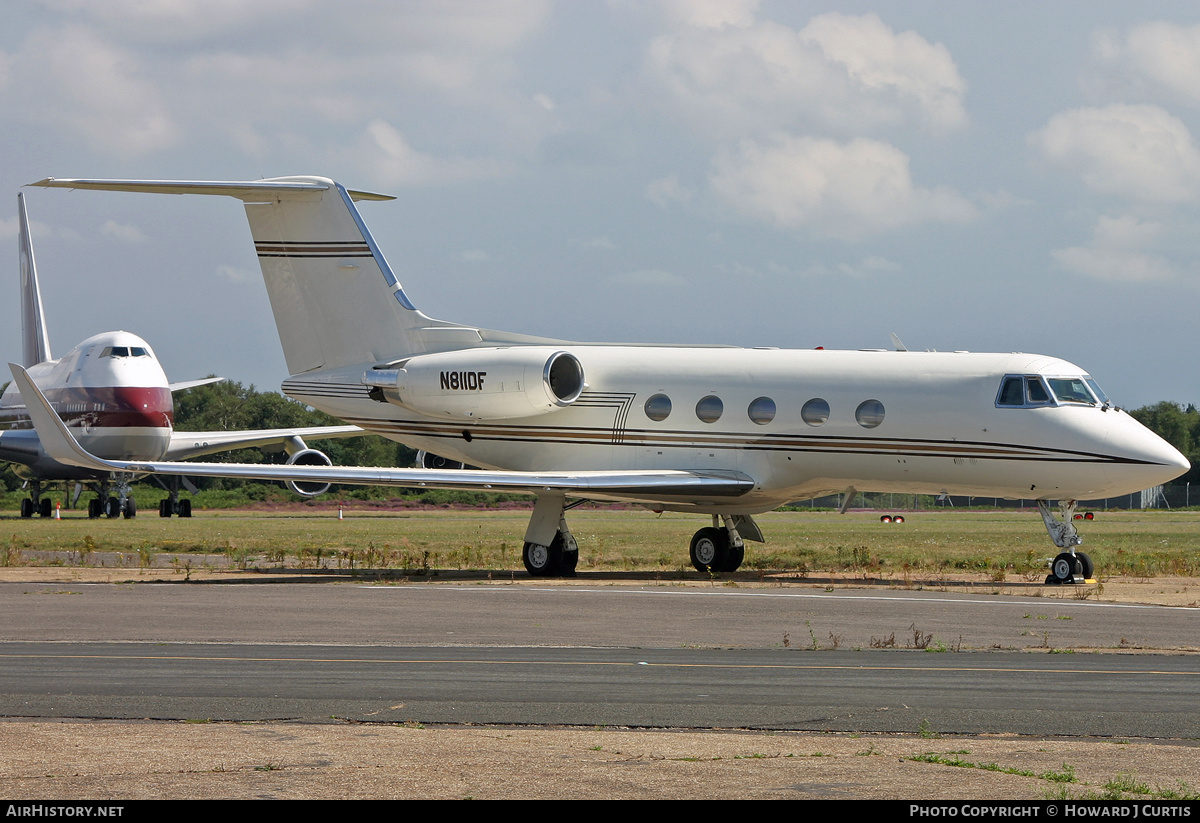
[
  {"x": 1023, "y": 391},
  {"x": 1096, "y": 390},
  {"x": 1031, "y": 390},
  {"x": 1011, "y": 393},
  {"x": 1071, "y": 390},
  {"x": 125, "y": 351},
  {"x": 1035, "y": 390}
]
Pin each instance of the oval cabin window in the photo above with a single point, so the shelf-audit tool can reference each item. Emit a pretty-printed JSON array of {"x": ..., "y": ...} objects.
[
  {"x": 815, "y": 412},
  {"x": 762, "y": 410},
  {"x": 658, "y": 407},
  {"x": 710, "y": 408}
]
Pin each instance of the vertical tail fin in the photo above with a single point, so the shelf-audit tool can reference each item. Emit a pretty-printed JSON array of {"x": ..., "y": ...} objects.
[
  {"x": 35, "y": 343},
  {"x": 335, "y": 299}
]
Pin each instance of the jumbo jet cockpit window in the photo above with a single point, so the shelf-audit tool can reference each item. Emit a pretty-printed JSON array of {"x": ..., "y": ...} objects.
[
  {"x": 124, "y": 351},
  {"x": 1024, "y": 391}
]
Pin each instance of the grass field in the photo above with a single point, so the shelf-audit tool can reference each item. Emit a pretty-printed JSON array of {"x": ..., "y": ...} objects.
[{"x": 1002, "y": 544}]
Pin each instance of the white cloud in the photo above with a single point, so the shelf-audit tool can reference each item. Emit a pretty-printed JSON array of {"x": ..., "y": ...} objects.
[
  {"x": 846, "y": 190},
  {"x": 393, "y": 161},
  {"x": 885, "y": 63},
  {"x": 133, "y": 77},
  {"x": 1152, "y": 58},
  {"x": 839, "y": 72},
  {"x": 1119, "y": 252},
  {"x": 101, "y": 92},
  {"x": 124, "y": 233},
  {"x": 668, "y": 190},
  {"x": 1140, "y": 152},
  {"x": 710, "y": 14}
]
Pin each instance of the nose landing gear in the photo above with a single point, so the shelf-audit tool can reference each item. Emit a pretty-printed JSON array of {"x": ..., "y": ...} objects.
[{"x": 1070, "y": 566}]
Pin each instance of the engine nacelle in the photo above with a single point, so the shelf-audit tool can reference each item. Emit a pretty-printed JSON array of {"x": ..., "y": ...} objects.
[
  {"x": 482, "y": 384},
  {"x": 429, "y": 460},
  {"x": 308, "y": 457}
]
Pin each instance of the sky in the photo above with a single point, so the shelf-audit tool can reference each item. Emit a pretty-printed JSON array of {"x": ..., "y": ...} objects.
[{"x": 1018, "y": 176}]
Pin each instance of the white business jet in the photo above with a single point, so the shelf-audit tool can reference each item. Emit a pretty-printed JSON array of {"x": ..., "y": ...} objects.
[
  {"x": 725, "y": 432},
  {"x": 113, "y": 393}
]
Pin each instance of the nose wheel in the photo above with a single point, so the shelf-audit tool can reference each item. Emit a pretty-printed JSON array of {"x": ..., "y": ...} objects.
[{"x": 1070, "y": 568}]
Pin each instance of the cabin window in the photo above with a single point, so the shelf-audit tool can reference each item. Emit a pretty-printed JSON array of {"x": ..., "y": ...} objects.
[
  {"x": 658, "y": 407},
  {"x": 709, "y": 409},
  {"x": 761, "y": 410},
  {"x": 869, "y": 414},
  {"x": 815, "y": 412}
]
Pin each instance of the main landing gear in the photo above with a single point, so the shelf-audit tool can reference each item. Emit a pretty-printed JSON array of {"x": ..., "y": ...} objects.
[
  {"x": 113, "y": 506},
  {"x": 35, "y": 503},
  {"x": 722, "y": 548},
  {"x": 550, "y": 549},
  {"x": 1070, "y": 566}
]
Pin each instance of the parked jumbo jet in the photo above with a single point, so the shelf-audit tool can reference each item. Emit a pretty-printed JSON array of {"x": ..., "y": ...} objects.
[
  {"x": 114, "y": 394},
  {"x": 725, "y": 432}
]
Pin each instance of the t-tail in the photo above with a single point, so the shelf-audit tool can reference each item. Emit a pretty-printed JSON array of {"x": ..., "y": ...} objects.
[
  {"x": 336, "y": 300},
  {"x": 35, "y": 343}
]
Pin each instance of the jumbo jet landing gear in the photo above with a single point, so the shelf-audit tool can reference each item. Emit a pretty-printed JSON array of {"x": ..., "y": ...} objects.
[
  {"x": 35, "y": 503},
  {"x": 172, "y": 504},
  {"x": 1070, "y": 566},
  {"x": 113, "y": 506},
  {"x": 550, "y": 549}
]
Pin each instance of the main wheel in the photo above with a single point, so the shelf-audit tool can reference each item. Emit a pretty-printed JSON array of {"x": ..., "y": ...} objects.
[
  {"x": 710, "y": 549},
  {"x": 185, "y": 507},
  {"x": 95, "y": 508},
  {"x": 1089, "y": 568},
  {"x": 164, "y": 507},
  {"x": 45, "y": 507},
  {"x": 1066, "y": 567},
  {"x": 112, "y": 508},
  {"x": 734, "y": 558},
  {"x": 569, "y": 561},
  {"x": 27, "y": 507},
  {"x": 543, "y": 561},
  {"x": 130, "y": 508}
]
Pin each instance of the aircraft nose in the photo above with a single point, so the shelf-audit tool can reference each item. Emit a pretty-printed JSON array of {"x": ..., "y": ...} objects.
[{"x": 1146, "y": 459}]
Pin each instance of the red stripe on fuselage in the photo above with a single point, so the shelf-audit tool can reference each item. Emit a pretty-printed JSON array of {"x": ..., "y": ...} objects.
[{"x": 109, "y": 407}]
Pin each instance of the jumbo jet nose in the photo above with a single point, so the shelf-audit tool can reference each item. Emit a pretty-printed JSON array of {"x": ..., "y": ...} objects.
[{"x": 1145, "y": 458}]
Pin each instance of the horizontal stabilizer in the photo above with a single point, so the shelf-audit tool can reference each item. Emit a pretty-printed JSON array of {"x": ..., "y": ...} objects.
[{"x": 250, "y": 190}]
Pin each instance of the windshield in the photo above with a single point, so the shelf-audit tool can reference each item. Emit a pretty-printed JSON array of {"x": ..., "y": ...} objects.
[
  {"x": 1071, "y": 390},
  {"x": 1032, "y": 390}
]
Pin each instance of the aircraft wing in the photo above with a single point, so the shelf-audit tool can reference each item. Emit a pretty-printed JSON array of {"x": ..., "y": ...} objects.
[
  {"x": 191, "y": 384},
  {"x": 648, "y": 486},
  {"x": 196, "y": 444}
]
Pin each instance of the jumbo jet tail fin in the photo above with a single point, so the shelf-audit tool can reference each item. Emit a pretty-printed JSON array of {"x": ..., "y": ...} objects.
[
  {"x": 335, "y": 298},
  {"x": 35, "y": 343}
]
